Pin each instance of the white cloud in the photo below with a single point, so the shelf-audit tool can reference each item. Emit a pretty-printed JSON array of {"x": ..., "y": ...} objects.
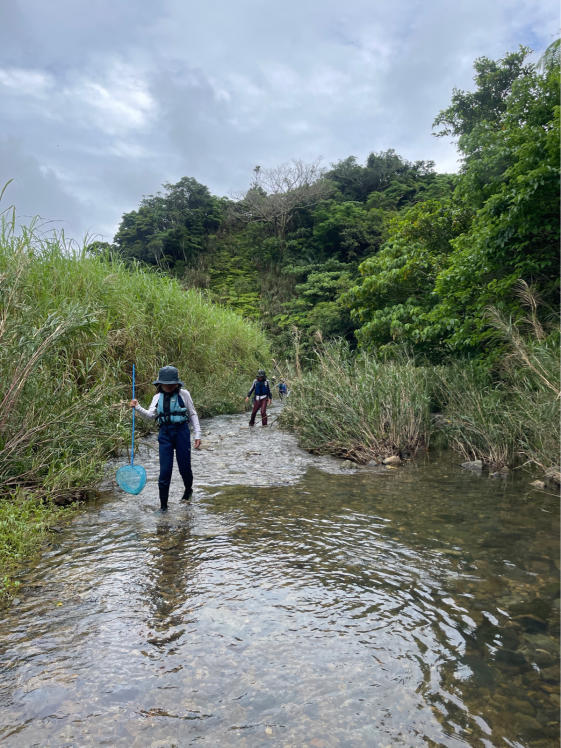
[
  {"x": 171, "y": 89},
  {"x": 116, "y": 106},
  {"x": 23, "y": 82}
]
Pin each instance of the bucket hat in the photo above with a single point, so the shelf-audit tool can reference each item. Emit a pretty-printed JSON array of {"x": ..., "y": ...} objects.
[{"x": 168, "y": 375}]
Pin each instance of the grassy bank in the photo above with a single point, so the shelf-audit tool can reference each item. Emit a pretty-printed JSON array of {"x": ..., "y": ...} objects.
[
  {"x": 71, "y": 326},
  {"x": 361, "y": 407}
]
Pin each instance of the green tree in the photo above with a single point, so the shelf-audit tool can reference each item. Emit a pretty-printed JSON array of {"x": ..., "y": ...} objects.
[
  {"x": 171, "y": 230},
  {"x": 346, "y": 231},
  {"x": 511, "y": 175},
  {"x": 446, "y": 262},
  {"x": 355, "y": 182},
  {"x": 393, "y": 301}
]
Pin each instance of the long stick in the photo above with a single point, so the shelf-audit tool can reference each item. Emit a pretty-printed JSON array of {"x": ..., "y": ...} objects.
[{"x": 132, "y": 448}]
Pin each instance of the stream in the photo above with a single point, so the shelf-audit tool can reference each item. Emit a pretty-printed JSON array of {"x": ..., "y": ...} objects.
[{"x": 295, "y": 601}]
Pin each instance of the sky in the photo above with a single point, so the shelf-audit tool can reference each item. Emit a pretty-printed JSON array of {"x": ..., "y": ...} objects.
[{"x": 104, "y": 101}]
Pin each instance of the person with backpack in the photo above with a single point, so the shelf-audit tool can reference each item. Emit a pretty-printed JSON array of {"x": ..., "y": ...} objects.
[
  {"x": 261, "y": 397},
  {"x": 173, "y": 409},
  {"x": 283, "y": 389}
]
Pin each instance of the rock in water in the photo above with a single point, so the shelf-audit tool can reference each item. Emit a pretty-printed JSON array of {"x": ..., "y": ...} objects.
[
  {"x": 393, "y": 460},
  {"x": 553, "y": 475},
  {"x": 475, "y": 465}
]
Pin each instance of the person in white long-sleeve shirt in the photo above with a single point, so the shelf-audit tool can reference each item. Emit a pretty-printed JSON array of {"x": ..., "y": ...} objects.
[{"x": 173, "y": 409}]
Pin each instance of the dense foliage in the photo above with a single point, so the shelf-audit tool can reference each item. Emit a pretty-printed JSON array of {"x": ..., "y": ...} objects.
[
  {"x": 446, "y": 261},
  {"x": 386, "y": 252},
  {"x": 374, "y": 407},
  {"x": 289, "y": 249}
]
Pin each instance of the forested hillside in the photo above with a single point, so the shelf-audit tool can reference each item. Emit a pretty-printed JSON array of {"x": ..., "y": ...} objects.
[{"x": 386, "y": 252}]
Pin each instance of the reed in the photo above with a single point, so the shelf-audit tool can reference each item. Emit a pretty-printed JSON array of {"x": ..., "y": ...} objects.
[
  {"x": 510, "y": 416},
  {"x": 360, "y": 407}
]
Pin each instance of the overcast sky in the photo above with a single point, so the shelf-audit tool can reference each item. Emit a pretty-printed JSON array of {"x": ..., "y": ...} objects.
[{"x": 103, "y": 101}]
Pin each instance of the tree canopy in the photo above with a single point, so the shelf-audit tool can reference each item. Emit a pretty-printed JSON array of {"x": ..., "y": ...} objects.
[{"x": 386, "y": 252}]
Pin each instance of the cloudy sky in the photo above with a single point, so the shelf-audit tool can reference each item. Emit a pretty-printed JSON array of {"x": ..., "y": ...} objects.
[{"x": 104, "y": 100}]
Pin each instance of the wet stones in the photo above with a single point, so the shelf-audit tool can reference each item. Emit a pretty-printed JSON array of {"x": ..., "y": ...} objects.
[
  {"x": 392, "y": 460},
  {"x": 530, "y": 623},
  {"x": 553, "y": 476},
  {"x": 474, "y": 465},
  {"x": 544, "y": 658},
  {"x": 512, "y": 659}
]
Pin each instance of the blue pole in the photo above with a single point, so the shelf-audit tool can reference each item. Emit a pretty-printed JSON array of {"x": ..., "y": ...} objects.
[{"x": 132, "y": 448}]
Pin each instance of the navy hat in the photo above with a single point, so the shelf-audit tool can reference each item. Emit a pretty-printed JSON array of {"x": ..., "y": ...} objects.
[{"x": 168, "y": 375}]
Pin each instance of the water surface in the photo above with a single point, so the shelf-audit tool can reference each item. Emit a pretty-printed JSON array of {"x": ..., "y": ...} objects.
[{"x": 296, "y": 601}]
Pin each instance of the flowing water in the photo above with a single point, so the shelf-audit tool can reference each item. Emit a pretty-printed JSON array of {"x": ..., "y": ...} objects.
[{"x": 296, "y": 601}]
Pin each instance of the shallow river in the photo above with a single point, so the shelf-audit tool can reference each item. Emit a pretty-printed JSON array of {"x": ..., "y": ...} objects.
[{"x": 296, "y": 601}]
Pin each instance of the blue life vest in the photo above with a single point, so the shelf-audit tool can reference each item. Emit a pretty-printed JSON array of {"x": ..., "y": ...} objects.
[
  {"x": 261, "y": 388},
  {"x": 177, "y": 411}
]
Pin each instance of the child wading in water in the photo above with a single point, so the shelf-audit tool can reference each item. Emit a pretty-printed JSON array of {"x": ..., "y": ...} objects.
[
  {"x": 261, "y": 398},
  {"x": 173, "y": 408}
]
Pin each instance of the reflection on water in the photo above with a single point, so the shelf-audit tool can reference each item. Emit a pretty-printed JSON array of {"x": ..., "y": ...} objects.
[{"x": 296, "y": 602}]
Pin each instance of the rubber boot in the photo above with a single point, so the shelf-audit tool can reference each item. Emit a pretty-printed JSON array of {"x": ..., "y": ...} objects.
[
  {"x": 164, "y": 493},
  {"x": 187, "y": 494}
]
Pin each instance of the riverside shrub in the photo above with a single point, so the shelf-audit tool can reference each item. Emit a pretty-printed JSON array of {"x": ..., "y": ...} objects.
[{"x": 360, "y": 407}]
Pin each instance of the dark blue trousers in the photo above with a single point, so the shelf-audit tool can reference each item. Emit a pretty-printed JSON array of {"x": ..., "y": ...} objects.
[{"x": 175, "y": 437}]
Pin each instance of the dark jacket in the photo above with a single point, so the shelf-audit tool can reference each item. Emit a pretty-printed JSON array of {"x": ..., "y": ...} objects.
[{"x": 260, "y": 387}]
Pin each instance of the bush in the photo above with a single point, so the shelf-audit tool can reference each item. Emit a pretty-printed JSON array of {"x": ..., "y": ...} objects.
[
  {"x": 511, "y": 418},
  {"x": 360, "y": 407}
]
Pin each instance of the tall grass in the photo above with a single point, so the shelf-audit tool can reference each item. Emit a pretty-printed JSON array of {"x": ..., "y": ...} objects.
[
  {"x": 360, "y": 407},
  {"x": 71, "y": 326},
  {"x": 513, "y": 417}
]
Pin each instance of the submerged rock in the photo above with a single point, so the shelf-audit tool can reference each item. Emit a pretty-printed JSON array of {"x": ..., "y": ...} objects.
[
  {"x": 531, "y": 623},
  {"x": 501, "y": 473},
  {"x": 550, "y": 674},
  {"x": 537, "y": 484},
  {"x": 392, "y": 460},
  {"x": 553, "y": 475},
  {"x": 475, "y": 465}
]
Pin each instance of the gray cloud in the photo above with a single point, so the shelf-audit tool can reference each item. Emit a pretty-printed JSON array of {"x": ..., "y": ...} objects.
[{"x": 103, "y": 102}]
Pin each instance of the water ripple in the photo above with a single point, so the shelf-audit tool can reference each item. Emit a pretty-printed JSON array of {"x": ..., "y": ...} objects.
[{"x": 300, "y": 603}]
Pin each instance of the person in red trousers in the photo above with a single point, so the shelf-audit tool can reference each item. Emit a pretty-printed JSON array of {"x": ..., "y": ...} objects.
[{"x": 261, "y": 397}]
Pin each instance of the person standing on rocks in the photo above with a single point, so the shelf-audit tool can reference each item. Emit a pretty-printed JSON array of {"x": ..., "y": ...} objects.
[
  {"x": 261, "y": 398},
  {"x": 173, "y": 409},
  {"x": 283, "y": 389}
]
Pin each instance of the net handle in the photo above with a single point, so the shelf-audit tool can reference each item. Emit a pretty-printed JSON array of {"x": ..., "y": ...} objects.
[{"x": 132, "y": 447}]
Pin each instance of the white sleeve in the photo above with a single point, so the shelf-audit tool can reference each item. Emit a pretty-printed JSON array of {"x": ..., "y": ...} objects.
[
  {"x": 152, "y": 410},
  {"x": 193, "y": 417}
]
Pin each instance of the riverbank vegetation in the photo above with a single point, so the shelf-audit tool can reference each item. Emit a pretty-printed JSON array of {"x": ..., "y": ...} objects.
[
  {"x": 460, "y": 271},
  {"x": 366, "y": 407},
  {"x": 388, "y": 252},
  {"x": 360, "y": 406},
  {"x": 71, "y": 326}
]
